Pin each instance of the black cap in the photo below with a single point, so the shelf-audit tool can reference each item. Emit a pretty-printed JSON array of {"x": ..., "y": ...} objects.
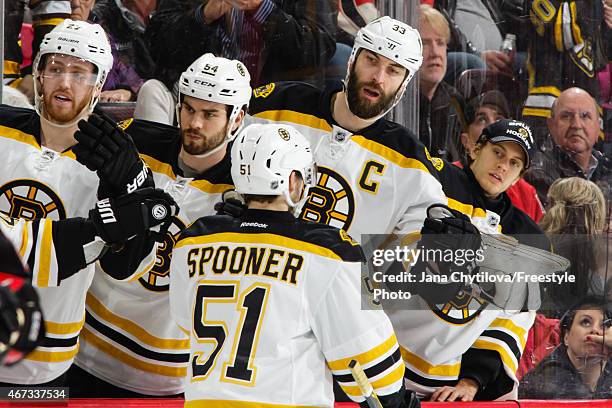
[
  {"x": 508, "y": 130},
  {"x": 492, "y": 98}
]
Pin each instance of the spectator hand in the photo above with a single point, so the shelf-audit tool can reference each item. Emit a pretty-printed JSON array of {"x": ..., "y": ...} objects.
[
  {"x": 245, "y": 5},
  {"x": 497, "y": 61},
  {"x": 116, "y": 95},
  {"x": 215, "y": 9},
  {"x": 608, "y": 13},
  {"x": 464, "y": 390}
]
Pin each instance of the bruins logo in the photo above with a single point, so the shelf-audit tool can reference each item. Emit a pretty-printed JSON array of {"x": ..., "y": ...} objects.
[
  {"x": 437, "y": 162},
  {"x": 264, "y": 91},
  {"x": 331, "y": 201},
  {"x": 30, "y": 199},
  {"x": 461, "y": 310},
  {"x": 284, "y": 134},
  {"x": 125, "y": 123},
  {"x": 158, "y": 279}
]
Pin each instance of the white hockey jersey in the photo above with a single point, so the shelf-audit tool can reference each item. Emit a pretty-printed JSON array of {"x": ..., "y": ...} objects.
[
  {"x": 130, "y": 339},
  {"x": 376, "y": 182},
  {"x": 272, "y": 307},
  {"x": 36, "y": 182}
]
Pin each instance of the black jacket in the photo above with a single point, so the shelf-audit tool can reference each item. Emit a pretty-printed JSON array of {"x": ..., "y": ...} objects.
[
  {"x": 297, "y": 36},
  {"x": 439, "y": 125},
  {"x": 552, "y": 163},
  {"x": 557, "y": 378}
]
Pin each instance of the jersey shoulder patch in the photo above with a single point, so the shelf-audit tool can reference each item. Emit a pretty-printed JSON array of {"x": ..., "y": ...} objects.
[
  {"x": 291, "y": 96},
  {"x": 336, "y": 240}
]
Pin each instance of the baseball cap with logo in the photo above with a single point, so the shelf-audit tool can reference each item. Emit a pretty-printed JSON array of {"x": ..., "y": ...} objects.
[{"x": 508, "y": 130}]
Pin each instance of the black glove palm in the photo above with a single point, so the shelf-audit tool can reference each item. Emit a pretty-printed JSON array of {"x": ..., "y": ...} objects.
[
  {"x": 106, "y": 149},
  {"x": 452, "y": 234},
  {"x": 118, "y": 220}
]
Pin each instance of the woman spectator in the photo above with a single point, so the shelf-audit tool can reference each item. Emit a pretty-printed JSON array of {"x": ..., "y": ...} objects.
[
  {"x": 574, "y": 223},
  {"x": 579, "y": 368}
]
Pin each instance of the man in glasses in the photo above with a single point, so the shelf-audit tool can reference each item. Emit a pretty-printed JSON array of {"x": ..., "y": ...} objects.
[{"x": 40, "y": 178}]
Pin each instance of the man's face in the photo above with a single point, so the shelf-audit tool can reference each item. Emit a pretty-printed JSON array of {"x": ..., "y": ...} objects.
[
  {"x": 575, "y": 124},
  {"x": 373, "y": 82},
  {"x": 485, "y": 115},
  {"x": 81, "y": 9},
  {"x": 434, "y": 56},
  {"x": 67, "y": 86},
  {"x": 498, "y": 166},
  {"x": 203, "y": 125}
]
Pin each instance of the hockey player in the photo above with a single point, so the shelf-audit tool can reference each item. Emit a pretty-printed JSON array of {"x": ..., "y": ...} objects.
[
  {"x": 363, "y": 159},
  {"x": 259, "y": 294},
  {"x": 481, "y": 362},
  {"x": 130, "y": 346},
  {"x": 71, "y": 244},
  {"x": 40, "y": 178}
]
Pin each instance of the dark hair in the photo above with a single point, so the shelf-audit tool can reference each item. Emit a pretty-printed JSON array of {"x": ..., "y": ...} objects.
[
  {"x": 266, "y": 199},
  {"x": 598, "y": 302}
]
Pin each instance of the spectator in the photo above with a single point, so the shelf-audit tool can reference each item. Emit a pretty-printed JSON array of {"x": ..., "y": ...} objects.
[
  {"x": 480, "y": 112},
  {"x": 580, "y": 367},
  {"x": 566, "y": 49},
  {"x": 437, "y": 117},
  {"x": 568, "y": 151},
  {"x": 125, "y": 21},
  {"x": 122, "y": 83},
  {"x": 478, "y": 28},
  {"x": 574, "y": 222}
]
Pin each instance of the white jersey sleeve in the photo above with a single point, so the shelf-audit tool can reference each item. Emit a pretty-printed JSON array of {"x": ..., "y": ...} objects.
[{"x": 346, "y": 332}]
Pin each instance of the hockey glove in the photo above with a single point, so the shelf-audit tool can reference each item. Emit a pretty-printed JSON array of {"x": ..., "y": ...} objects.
[
  {"x": 232, "y": 204},
  {"x": 106, "y": 149},
  {"x": 118, "y": 220},
  {"x": 21, "y": 321},
  {"x": 446, "y": 238}
]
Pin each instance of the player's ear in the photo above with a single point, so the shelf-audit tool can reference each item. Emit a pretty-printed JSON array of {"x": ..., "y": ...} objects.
[{"x": 238, "y": 119}]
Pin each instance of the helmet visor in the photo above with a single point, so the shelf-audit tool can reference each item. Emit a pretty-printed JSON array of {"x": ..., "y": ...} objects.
[{"x": 60, "y": 67}]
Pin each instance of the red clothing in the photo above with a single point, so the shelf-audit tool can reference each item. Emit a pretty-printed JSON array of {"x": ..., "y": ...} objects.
[
  {"x": 524, "y": 197},
  {"x": 543, "y": 337}
]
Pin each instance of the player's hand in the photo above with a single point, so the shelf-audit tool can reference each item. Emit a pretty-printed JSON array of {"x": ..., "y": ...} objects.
[
  {"x": 464, "y": 390},
  {"x": 116, "y": 95},
  {"x": 21, "y": 321},
  {"x": 231, "y": 203},
  {"x": 444, "y": 231},
  {"x": 105, "y": 148},
  {"x": 497, "y": 61},
  {"x": 118, "y": 220}
]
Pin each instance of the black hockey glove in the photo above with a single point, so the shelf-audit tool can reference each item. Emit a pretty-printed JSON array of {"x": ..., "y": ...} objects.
[
  {"x": 118, "y": 220},
  {"x": 21, "y": 322},
  {"x": 232, "y": 204},
  {"x": 446, "y": 239},
  {"x": 106, "y": 149}
]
